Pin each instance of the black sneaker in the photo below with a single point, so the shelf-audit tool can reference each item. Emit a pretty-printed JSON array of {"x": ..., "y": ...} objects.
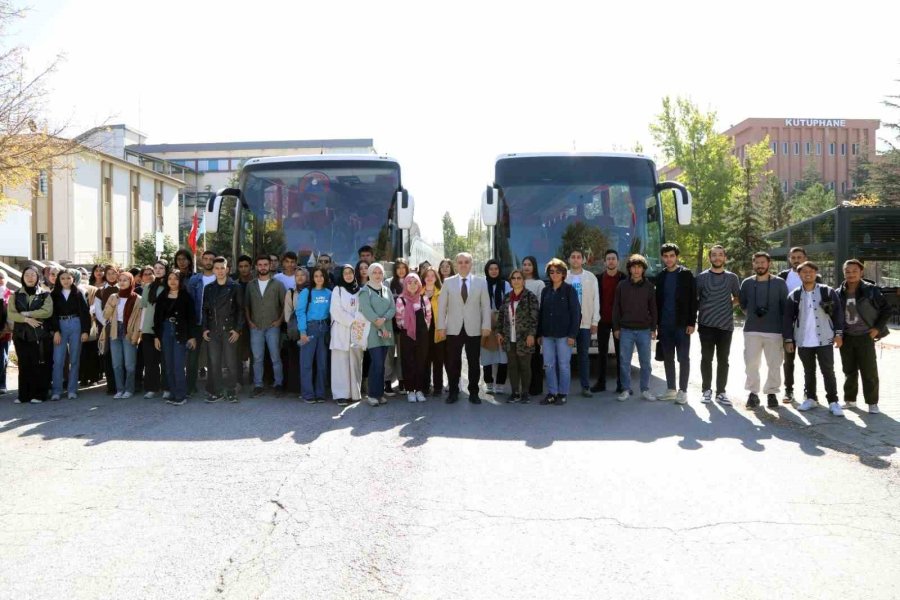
[
  {"x": 309, "y": 400},
  {"x": 452, "y": 397},
  {"x": 512, "y": 399},
  {"x": 233, "y": 398},
  {"x": 772, "y": 401},
  {"x": 320, "y": 400},
  {"x": 278, "y": 390},
  {"x": 176, "y": 401},
  {"x": 342, "y": 401},
  {"x": 560, "y": 400},
  {"x": 257, "y": 391},
  {"x": 389, "y": 390},
  {"x": 548, "y": 399},
  {"x": 599, "y": 387},
  {"x": 474, "y": 399},
  {"x": 753, "y": 401},
  {"x": 211, "y": 398}
]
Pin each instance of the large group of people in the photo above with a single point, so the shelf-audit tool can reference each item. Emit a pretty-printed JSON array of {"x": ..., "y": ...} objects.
[{"x": 350, "y": 332}]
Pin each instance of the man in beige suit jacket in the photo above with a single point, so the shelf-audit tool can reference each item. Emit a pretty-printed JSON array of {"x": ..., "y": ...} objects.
[{"x": 464, "y": 316}]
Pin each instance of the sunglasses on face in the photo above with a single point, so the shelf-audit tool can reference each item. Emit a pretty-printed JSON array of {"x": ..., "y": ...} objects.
[{"x": 554, "y": 272}]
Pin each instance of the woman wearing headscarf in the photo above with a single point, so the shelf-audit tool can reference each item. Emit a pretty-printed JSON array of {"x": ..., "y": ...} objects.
[
  {"x": 110, "y": 287},
  {"x": 70, "y": 325},
  {"x": 29, "y": 309},
  {"x": 414, "y": 321},
  {"x": 123, "y": 333},
  {"x": 377, "y": 305},
  {"x": 491, "y": 352},
  {"x": 346, "y": 358},
  {"x": 437, "y": 347}
]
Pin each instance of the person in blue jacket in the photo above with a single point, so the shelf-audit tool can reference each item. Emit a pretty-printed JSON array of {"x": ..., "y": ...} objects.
[
  {"x": 313, "y": 320},
  {"x": 558, "y": 323}
]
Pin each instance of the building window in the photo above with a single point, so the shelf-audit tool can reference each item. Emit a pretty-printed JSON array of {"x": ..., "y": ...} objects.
[
  {"x": 43, "y": 246},
  {"x": 785, "y": 148},
  {"x": 843, "y": 187},
  {"x": 106, "y": 208},
  {"x": 774, "y": 148},
  {"x": 796, "y": 148},
  {"x": 135, "y": 207},
  {"x": 854, "y": 149},
  {"x": 784, "y": 186},
  {"x": 203, "y": 165},
  {"x": 843, "y": 149},
  {"x": 43, "y": 183},
  {"x": 808, "y": 148},
  {"x": 158, "y": 203},
  {"x": 831, "y": 149},
  {"x": 818, "y": 148},
  {"x": 830, "y": 186}
]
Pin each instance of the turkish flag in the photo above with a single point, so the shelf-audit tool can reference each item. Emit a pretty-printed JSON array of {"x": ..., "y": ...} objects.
[{"x": 192, "y": 236}]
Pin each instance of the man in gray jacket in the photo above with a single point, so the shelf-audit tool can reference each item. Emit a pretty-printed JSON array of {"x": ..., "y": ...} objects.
[
  {"x": 264, "y": 306},
  {"x": 763, "y": 298},
  {"x": 814, "y": 324}
]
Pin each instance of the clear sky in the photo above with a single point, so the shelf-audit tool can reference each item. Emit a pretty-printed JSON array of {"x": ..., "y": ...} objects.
[{"x": 445, "y": 87}]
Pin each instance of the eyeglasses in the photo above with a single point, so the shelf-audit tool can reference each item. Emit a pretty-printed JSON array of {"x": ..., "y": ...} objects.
[
  {"x": 514, "y": 277},
  {"x": 555, "y": 272}
]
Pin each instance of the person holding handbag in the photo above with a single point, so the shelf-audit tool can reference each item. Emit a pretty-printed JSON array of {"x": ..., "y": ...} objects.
[
  {"x": 70, "y": 325},
  {"x": 491, "y": 352},
  {"x": 437, "y": 347},
  {"x": 29, "y": 309},
  {"x": 123, "y": 333},
  {"x": 516, "y": 332},
  {"x": 346, "y": 356},
  {"x": 414, "y": 319},
  {"x": 377, "y": 305}
]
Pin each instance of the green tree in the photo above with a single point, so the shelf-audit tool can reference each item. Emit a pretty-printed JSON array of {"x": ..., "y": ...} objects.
[
  {"x": 745, "y": 225},
  {"x": 579, "y": 235},
  {"x": 452, "y": 243},
  {"x": 689, "y": 141},
  {"x": 221, "y": 241},
  {"x": 776, "y": 207},
  {"x": 144, "y": 251},
  {"x": 811, "y": 201}
]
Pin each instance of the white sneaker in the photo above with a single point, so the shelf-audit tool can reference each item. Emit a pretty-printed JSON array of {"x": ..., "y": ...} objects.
[
  {"x": 372, "y": 401},
  {"x": 874, "y": 410},
  {"x": 73, "y": 396},
  {"x": 118, "y": 396},
  {"x": 149, "y": 395},
  {"x": 421, "y": 397},
  {"x": 849, "y": 404},
  {"x": 646, "y": 395},
  {"x": 623, "y": 396},
  {"x": 17, "y": 401},
  {"x": 167, "y": 396},
  {"x": 489, "y": 388},
  {"x": 411, "y": 397},
  {"x": 835, "y": 409},
  {"x": 707, "y": 397},
  {"x": 669, "y": 395},
  {"x": 127, "y": 395},
  {"x": 54, "y": 397},
  {"x": 723, "y": 399},
  {"x": 36, "y": 401},
  {"x": 808, "y": 404},
  {"x": 681, "y": 397}
]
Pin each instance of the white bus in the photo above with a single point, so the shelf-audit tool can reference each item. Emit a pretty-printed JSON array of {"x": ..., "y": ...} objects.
[{"x": 332, "y": 204}]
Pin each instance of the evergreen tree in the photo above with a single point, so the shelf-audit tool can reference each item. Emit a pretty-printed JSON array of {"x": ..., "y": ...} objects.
[{"x": 744, "y": 225}]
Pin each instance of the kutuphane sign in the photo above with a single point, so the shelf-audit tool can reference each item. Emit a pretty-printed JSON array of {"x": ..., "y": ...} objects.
[{"x": 815, "y": 122}]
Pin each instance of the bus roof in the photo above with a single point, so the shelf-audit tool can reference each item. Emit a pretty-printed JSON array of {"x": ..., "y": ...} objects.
[
  {"x": 318, "y": 158},
  {"x": 573, "y": 155}
]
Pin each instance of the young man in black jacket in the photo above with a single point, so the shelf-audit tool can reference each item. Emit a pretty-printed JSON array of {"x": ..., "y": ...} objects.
[
  {"x": 866, "y": 314},
  {"x": 676, "y": 302},
  {"x": 223, "y": 321},
  {"x": 796, "y": 257}
]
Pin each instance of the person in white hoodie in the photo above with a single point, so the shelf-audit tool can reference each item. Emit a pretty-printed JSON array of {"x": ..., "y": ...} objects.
[
  {"x": 346, "y": 359},
  {"x": 588, "y": 290}
]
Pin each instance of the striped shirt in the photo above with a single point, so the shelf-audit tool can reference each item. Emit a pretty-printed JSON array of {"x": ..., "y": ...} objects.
[{"x": 714, "y": 292}]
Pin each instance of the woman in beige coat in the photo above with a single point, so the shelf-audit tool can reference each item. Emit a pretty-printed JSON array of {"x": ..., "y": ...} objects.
[{"x": 122, "y": 334}]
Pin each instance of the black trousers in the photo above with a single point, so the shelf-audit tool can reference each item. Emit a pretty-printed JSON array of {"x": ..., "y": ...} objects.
[
  {"x": 789, "y": 370},
  {"x": 414, "y": 356},
  {"x": 455, "y": 345},
  {"x": 35, "y": 368},
  {"x": 825, "y": 357},
  {"x": 489, "y": 375},
  {"x": 437, "y": 355},
  {"x": 152, "y": 363},
  {"x": 537, "y": 373},
  {"x": 108, "y": 369},
  {"x": 603, "y": 333},
  {"x": 714, "y": 341},
  {"x": 858, "y": 357},
  {"x": 222, "y": 353}
]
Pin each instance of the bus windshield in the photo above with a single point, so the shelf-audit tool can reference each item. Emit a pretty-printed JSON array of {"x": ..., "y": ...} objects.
[
  {"x": 332, "y": 207},
  {"x": 551, "y": 204}
]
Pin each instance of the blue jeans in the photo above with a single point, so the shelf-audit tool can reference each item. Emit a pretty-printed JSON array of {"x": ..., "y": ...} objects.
[
  {"x": 376, "y": 370},
  {"x": 314, "y": 350},
  {"x": 4, "y": 361},
  {"x": 175, "y": 358},
  {"x": 583, "y": 344},
  {"x": 628, "y": 339},
  {"x": 124, "y": 361},
  {"x": 557, "y": 364},
  {"x": 70, "y": 332},
  {"x": 260, "y": 339}
]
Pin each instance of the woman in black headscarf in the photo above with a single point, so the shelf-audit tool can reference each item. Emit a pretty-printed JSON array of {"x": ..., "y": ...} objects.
[
  {"x": 491, "y": 353},
  {"x": 29, "y": 310},
  {"x": 346, "y": 353}
]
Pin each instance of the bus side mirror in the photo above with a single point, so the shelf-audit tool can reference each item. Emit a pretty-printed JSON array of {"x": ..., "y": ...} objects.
[
  {"x": 405, "y": 209},
  {"x": 490, "y": 201},
  {"x": 682, "y": 200},
  {"x": 214, "y": 206}
]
